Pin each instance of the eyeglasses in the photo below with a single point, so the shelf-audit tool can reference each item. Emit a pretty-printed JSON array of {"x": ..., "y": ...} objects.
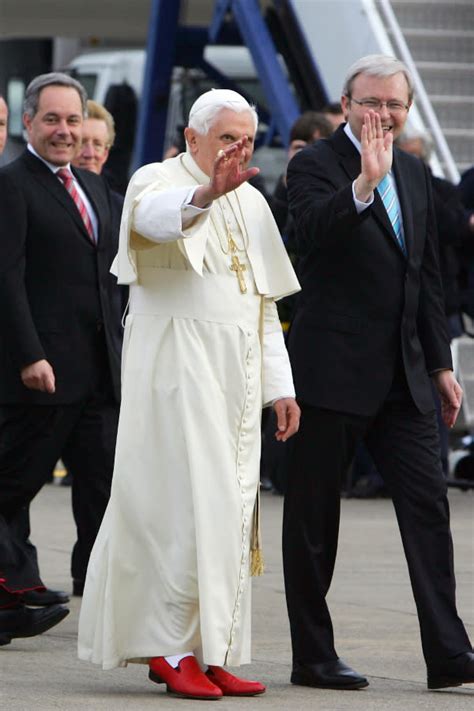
[
  {"x": 375, "y": 104},
  {"x": 97, "y": 146}
]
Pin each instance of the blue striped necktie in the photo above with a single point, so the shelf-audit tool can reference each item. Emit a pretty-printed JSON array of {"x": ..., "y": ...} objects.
[{"x": 390, "y": 200}]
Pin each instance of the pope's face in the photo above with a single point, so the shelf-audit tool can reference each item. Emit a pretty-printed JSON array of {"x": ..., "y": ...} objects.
[
  {"x": 3, "y": 124},
  {"x": 55, "y": 129},
  {"x": 94, "y": 149},
  {"x": 392, "y": 89},
  {"x": 228, "y": 127}
]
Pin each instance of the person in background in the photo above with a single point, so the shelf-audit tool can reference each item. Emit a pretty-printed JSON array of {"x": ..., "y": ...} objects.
[
  {"x": 98, "y": 135},
  {"x": 466, "y": 188},
  {"x": 333, "y": 113},
  {"x": 307, "y": 128},
  {"x": 3, "y": 123},
  {"x": 368, "y": 340},
  {"x": 455, "y": 225}
]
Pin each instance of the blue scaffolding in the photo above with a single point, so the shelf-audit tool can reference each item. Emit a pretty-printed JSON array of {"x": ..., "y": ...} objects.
[{"x": 234, "y": 22}]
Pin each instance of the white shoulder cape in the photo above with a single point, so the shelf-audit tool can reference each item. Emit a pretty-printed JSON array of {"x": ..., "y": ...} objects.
[{"x": 273, "y": 272}]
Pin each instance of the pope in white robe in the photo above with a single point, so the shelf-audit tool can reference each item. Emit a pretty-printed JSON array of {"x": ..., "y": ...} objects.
[{"x": 169, "y": 574}]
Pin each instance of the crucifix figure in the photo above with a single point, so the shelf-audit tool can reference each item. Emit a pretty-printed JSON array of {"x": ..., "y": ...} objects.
[{"x": 239, "y": 269}]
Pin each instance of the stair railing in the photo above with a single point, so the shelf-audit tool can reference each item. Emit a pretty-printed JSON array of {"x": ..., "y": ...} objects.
[{"x": 399, "y": 41}]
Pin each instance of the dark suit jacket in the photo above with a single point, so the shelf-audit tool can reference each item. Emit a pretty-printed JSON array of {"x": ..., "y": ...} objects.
[
  {"x": 365, "y": 308},
  {"x": 452, "y": 222},
  {"x": 57, "y": 296}
]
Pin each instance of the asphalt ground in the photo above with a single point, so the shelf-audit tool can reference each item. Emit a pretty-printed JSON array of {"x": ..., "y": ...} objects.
[{"x": 373, "y": 612}]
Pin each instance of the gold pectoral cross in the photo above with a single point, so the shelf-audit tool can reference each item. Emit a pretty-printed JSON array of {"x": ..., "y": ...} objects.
[{"x": 239, "y": 269}]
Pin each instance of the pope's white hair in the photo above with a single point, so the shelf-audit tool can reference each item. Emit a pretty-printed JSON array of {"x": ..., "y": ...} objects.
[{"x": 206, "y": 108}]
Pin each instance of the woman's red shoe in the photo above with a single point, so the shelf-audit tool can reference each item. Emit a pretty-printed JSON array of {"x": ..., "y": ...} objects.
[
  {"x": 187, "y": 680},
  {"x": 231, "y": 685}
]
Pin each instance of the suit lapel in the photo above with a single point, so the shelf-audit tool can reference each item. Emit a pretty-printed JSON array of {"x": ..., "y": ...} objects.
[
  {"x": 349, "y": 156},
  {"x": 402, "y": 179},
  {"x": 54, "y": 187}
]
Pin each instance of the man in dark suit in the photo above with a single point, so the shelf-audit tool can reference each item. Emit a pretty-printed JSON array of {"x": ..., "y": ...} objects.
[
  {"x": 60, "y": 337},
  {"x": 368, "y": 337},
  {"x": 98, "y": 137}
]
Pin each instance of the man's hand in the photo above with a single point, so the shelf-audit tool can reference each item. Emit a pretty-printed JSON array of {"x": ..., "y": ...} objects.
[
  {"x": 288, "y": 418},
  {"x": 450, "y": 394},
  {"x": 227, "y": 174},
  {"x": 39, "y": 376},
  {"x": 376, "y": 156}
]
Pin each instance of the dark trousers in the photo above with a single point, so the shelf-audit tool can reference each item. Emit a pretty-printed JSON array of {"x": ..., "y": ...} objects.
[
  {"x": 32, "y": 439},
  {"x": 405, "y": 448}
]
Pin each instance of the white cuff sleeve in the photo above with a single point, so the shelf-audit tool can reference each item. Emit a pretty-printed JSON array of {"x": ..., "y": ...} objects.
[
  {"x": 359, "y": 205},
  {"x": 277, "y": 377},
  {"x": 166, "y": 216}
]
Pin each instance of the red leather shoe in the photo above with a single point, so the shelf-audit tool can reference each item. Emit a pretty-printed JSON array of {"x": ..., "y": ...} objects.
[
  {"x": 231, "y": 685},
  {"x": 187, "y": 680}
]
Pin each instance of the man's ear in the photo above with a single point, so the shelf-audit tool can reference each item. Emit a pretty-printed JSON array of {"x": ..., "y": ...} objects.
[
  {"x": 26, "y": 121},
  {"x": 190, "y": 137},
  {"x": 345, "y": 101}
]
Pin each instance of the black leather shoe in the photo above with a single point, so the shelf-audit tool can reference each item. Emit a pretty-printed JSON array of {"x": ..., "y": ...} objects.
[
  {"x": 77, "y": 587},
  {"x": 454, "y": 672},
  {"x": 25, "y": 622},
  {"x": 38, "y": 598},
  {"x": 328, "y": 675}
]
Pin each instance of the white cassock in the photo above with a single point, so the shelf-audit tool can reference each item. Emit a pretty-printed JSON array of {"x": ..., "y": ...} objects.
[{"x": 169, "y": 572}]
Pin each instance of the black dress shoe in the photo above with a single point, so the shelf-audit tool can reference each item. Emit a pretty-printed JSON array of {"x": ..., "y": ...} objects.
[
  {"x": 38, "y": 598},
  {"x": 77, "y": 587},
  {"x": 328, "y": 675},
  {"x": 24, "y": 622},
  {"x": 456, "y": 671}
]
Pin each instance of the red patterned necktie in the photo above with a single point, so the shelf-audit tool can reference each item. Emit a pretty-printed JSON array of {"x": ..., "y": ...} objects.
[{"x": 67, "y": 178}]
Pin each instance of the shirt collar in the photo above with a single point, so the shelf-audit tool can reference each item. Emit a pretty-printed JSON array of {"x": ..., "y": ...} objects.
[
  {"x": 193, "y": 168},
  {"x": 53, "y": 168}
]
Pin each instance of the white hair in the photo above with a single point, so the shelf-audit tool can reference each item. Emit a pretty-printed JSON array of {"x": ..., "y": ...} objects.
[
  {"x": 413, "y": 134},
  {"x": 206, "y": 108},
  {"x": 377, "y": 65}
]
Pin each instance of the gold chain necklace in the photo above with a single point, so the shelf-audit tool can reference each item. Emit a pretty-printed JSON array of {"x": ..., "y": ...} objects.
[
  {"x": 232, "y": 248},
  {"x": 236, "y": 265}
]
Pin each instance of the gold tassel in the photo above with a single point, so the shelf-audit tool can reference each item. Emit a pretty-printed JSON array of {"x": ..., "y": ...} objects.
[{"x": 257, "y": 565}]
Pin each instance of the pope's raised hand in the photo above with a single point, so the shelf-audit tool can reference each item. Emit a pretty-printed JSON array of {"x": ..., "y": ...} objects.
[{"x": 228, "y": 172}]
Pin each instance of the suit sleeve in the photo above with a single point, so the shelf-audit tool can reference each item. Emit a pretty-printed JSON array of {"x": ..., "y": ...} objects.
[
  {"x": 322, "y": 209},
  {"x": 432, "y": 326},
  {"x": 18, "y": 327}
]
